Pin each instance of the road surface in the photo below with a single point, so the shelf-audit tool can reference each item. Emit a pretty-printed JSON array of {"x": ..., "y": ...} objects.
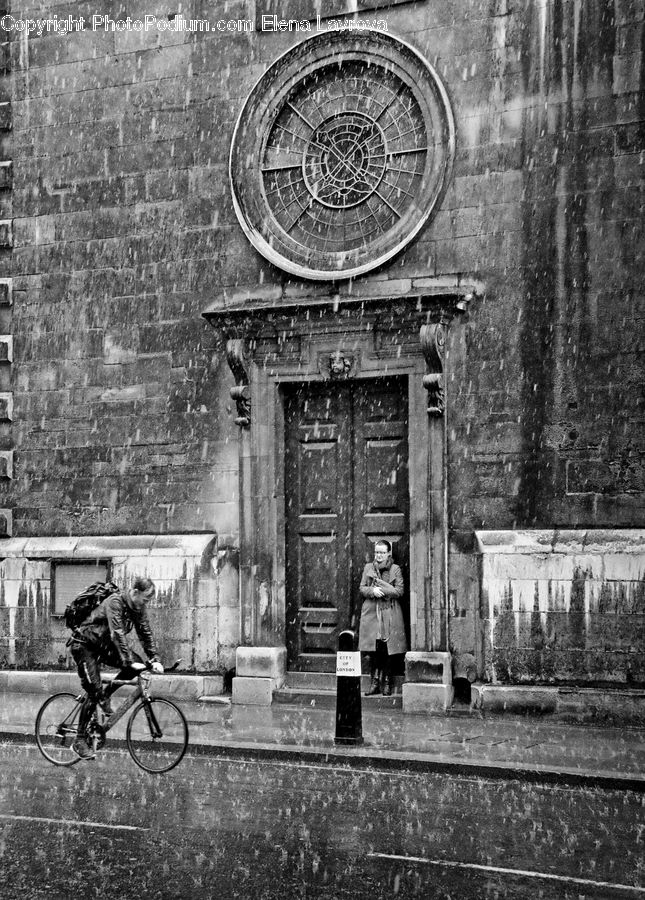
[{"x": 219, "y": 827}]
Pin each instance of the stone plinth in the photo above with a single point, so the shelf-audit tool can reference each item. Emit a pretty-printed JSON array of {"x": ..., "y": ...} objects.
[
  {"x": 252, "y": 691},
  {"x": 265, "y": 665}
]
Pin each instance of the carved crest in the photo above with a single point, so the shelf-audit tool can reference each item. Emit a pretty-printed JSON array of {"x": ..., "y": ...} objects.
[{"x": 340, "y": 365}]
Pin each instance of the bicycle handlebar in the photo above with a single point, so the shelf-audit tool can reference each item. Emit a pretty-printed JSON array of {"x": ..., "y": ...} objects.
[{"x": 129, "y": 673}]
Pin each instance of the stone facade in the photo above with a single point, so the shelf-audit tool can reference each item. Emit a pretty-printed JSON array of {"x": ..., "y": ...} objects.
[{"x": 117, "y": 231}]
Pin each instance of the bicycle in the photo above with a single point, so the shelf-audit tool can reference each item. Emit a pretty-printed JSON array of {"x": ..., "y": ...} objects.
[{"x": 156, "y": 733}]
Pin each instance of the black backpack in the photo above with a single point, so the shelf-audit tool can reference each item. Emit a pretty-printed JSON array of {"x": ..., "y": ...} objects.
[{"x": 82, "y": 606}]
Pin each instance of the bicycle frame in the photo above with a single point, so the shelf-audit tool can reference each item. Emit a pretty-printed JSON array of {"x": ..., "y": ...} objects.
[
  {"x": 96, "y": 730},
  {"x": 142, "y": 692}
]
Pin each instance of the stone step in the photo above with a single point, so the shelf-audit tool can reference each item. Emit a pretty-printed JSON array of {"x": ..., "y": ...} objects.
[
  {"x": 327, "y": 699},
  {"x": 319, "y": 689},
  {"x": 326, "y": 681},
  {"x": 311, "y": 681}
]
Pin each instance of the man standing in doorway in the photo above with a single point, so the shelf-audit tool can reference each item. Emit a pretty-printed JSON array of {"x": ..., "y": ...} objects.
[{"x": 382, "y": 630}]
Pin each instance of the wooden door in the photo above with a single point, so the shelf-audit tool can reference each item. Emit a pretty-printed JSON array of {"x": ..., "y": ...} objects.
[{"x": 346, "y": 486}]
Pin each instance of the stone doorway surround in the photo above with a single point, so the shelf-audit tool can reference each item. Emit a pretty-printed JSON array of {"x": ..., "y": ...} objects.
[{"x": 275, "y": 337}]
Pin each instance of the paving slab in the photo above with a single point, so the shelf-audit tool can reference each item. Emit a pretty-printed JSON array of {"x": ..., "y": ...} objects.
[{"x": 496, "y": 746}]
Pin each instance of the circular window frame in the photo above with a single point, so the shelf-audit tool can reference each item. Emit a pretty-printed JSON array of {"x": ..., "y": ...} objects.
[{"x": 265, "y": 103}]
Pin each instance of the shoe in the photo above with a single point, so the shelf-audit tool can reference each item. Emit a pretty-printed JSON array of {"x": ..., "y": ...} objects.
[
  {"x": 375, "y": 687},
  {"x": 82, "y": 748},
  {"x": 387, "y": 686}
]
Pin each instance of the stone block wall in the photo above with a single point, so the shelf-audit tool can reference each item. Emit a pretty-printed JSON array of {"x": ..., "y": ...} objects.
[
  {"x": 546, "y": 411},
  {"x": 563, "y": 606},
  {"x": 117, "y": 230},
  {"x": 120, "y": 405},
  {"x": 6, "y": 292},
  {"x": 124, "y": 231}
]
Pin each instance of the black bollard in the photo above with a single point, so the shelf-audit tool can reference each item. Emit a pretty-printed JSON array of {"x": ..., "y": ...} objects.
[{"x": 349, "y": 725}]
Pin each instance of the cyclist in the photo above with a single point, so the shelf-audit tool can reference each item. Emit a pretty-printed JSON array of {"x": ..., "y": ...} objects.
[{"x": 102, "y": 639}]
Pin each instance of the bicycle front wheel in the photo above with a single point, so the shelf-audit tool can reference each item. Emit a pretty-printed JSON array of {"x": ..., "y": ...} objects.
[
  {"x": 157, "y": 735},
  {"x": 57, "y": 728}
]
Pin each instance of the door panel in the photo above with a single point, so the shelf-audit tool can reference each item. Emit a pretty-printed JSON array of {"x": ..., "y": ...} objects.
[
  {"x": 381, "y": 508},
  {"x": 345, "y": 487},
  {"x": 317, "y": 457}
]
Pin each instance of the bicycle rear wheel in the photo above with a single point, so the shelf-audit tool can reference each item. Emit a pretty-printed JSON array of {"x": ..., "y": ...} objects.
[
  {"x": 157, "y": 735},
  {"x": 57, "y": 729}
]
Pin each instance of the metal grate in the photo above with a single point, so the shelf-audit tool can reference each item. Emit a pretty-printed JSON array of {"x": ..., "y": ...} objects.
[{"x": 71, "y": 579}]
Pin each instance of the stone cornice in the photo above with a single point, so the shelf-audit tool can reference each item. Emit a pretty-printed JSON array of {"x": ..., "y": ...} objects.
[{"x": 434, "y": 299}]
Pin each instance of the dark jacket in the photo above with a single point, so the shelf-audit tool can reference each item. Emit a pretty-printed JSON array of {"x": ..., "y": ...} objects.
[
  {"x": 382, "y": 616},
  {"x": 107, "y": 626}
]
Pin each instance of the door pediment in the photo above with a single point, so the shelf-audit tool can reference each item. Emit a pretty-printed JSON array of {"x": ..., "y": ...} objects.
[{"x": 337, "y": 337}]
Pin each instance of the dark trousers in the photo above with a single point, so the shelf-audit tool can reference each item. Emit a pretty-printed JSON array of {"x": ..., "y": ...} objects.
[
  {"x": 88, "y": 666},
  {"x": 380, "y": 660},
  {"x": 89, "y": 670}
]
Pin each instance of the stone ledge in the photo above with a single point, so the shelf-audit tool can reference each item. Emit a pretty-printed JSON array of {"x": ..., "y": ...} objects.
[
  {"x": 515, "y": 700},
  {"x": 101, "y": 546},
  {"x": 593, "y": 705},
  {"x": 254, "y": 298},
  {"x": 572, "y": 704},
  {"x": 540, "y": 541},
  {"x": 184, "y": 687}
]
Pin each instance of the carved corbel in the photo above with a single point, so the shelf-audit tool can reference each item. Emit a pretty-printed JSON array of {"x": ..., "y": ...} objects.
[
  {"x": 241, "y": 393},
  {"x": 433, "y": 342},
  {"x": 432, "y": 336}
]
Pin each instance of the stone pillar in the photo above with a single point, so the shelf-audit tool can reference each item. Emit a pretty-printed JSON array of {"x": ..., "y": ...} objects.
[
  {"x": 433, "y": 339},
  {"x": 261, "y": 622}
]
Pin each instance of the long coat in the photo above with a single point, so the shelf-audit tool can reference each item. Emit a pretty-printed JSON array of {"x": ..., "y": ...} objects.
[{"x": 382, "y": 614}]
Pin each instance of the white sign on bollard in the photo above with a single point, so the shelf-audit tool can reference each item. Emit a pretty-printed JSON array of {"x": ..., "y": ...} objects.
[{"x": 348, "y": 662}]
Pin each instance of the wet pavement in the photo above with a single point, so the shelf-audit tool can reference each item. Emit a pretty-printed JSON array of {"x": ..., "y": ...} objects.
[{"x": 533, "y": 748}]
